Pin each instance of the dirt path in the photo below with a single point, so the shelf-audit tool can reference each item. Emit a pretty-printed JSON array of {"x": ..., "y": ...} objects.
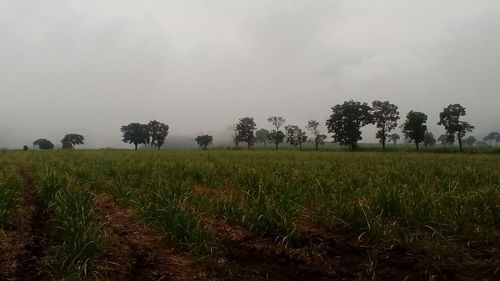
[
  {"x": 22, "y": 241},
  {"x": 138, "y": 253}
]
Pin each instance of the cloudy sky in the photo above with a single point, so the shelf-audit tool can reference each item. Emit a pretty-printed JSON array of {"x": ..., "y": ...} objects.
[{"x": 90, "y": 66}]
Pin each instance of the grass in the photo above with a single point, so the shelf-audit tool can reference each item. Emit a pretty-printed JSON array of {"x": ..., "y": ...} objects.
[{"x": 433, "y": 203}]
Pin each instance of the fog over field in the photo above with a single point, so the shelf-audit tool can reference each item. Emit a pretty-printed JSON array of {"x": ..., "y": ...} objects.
[{"x": 90, "y": 66}]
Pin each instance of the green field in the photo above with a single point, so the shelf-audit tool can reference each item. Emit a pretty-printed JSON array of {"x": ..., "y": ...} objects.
[{"x": 249, "y": 215}]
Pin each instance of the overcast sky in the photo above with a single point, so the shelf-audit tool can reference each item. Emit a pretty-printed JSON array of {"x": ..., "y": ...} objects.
[{"x": 90, "y": 66}]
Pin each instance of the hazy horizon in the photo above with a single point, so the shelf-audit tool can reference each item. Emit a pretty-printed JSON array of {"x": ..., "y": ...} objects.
[{"x": 89, "y": 67}]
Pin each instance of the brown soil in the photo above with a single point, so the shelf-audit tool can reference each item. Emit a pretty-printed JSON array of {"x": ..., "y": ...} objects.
[
  {"x": 21, "y": 241},
  {"x": 251, "y": 257},
  {"x": 137, "y": 252}
]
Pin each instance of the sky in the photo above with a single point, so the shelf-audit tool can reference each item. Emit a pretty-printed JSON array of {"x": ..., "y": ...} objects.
[{"x": 91, "y": 66}]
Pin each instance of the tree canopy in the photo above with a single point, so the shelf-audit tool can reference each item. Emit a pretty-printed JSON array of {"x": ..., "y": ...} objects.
[
  {"x": 295, "y": 135},
  {"x": 70, "y": 140},
  {"x": 415, "y": 126},
  {"x": 313, "y": 127},
  {"x": 449, "y": 118},
  {"x": 43, "y": 144},
  {"x": 386, "y": 116},
  {"x": 429, "y": 139},
  {"x": 204, "y": 141},
  {"x": 393, "y": 137},
  {"x": 135, "y": 133},
  {"x": 492, "y": 137},
  {"x": 346, "y": 121},
  {"x": 261, "y": 136},
  {"x": 245, "y": 130},
  {"x": 158, "y": 132},
  {"x": 276, "y": 136}
]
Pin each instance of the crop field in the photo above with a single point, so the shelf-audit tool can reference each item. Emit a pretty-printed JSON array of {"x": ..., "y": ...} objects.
[{"x": 248, "y": 215}]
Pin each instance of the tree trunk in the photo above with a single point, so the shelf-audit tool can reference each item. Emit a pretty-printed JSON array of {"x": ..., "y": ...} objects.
[
  {"x": 300, "y": 146},
  {"x": 248, "y": 145},
  {"x": 316, "y": 143},
  {"x": 416, "y": 143},
  {"x": 383, "y": 144},
  {"x": 460, "y": 143},
  {"x": 158, "y": 148},
  {"x": 276, "y": 143},
  {"x": 135, "y": 146}
]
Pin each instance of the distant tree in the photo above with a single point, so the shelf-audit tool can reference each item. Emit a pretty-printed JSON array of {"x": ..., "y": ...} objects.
[
  {"x": 245, "y": 130},
  {"x": 204, "y": 141},
  {"x": 70, "y": 140},
  {"x": 295, "y": 135},
  {"x": 276, "y": 136},
  {"x": 492, "y": 137},
  {"x": 261, "y": 136},
  {"x": 25, "y": 147},
  {"x": 450, "y": 119},
  {"x": 236, "y": 139},
  {"x": 346, "y": 121},
  {"x": 386, "y": 116},
  {"x": 470, "y": 141},
  {"x": 135, "y": 133},
  {"x": 158, "y": 132},
  {"x": 446, "y": 139},
  {"x": 414, "y": 127},
  {"x": 429, "y": 139},
  {"x": 393, "y": 137},
  {"x": 43, "y": 144},
  {"x": 312, "y": 126},
  {"x": 481, "y": 143}
]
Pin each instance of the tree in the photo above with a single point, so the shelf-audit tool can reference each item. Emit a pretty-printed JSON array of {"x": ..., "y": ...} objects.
[
  {"x": 492, "y": 137},
  {"x": 346, "y": 121},
  {"x": 25, "y": 147},
  {"x": 446, "y": 139},
  {"x": 386, "y": 116},
  {"x": 429, "y": 139},
  {"x": 450, "y": 119},
  {"x": 295, "y": 135},
  {"x": 393, "y": 137},
  {"x": 261, "y": 136},
  {"x": 204, "y": 141},
  {"x": 70, "y": 140},
  {"x": 276, "y": 136},
  {"x": 43, "y": 144},
  {"x": 245, "y": 129},
  {"x": 135, "y": 133},
  {"x": 158, "y": 132},
  {"x": 470, "y": 141},
  {"x": 312, "y": 126},
  {"x": 235, "y": 136},
  {"x": 414, "y": 127}
]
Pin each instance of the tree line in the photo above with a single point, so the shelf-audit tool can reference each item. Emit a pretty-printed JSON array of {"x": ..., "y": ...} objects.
[
  {"x": 346, "y": 121},
  {"x": 344, "y": 124}
]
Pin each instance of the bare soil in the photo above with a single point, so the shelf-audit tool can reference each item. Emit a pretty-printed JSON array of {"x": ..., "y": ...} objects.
[{"x": 137, "y": 252}]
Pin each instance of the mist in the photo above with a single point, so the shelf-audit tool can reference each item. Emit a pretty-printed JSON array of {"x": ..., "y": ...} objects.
[{"x": 91, "y": 66}]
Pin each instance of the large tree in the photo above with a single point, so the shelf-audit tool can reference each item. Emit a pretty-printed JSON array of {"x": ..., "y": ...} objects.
[
  {"x": 429, "y": 139},
  {"x": 346, "y": 121},
  {"x": 450, "y": 119},
  {"x": 245, "y": 130},
  {"x": 295, "y": 135},
  {"x": 43, "y": 144},
  {"x": 414, "y": 127},
  {"x": 135, "y": 133},
  {"x": 261, "y": 136},
  {"x": 386, "y": 116},
  {"x": 393, "y": 137},
  {"x": 70, "y": 140},
  {"x": 492, "y": 137},
  {"x": 158, "y": 132},
  {"x": 276, "y": 135},
  {"x": 204, "y": 141},
  {"x": 318, "y": 138}
]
